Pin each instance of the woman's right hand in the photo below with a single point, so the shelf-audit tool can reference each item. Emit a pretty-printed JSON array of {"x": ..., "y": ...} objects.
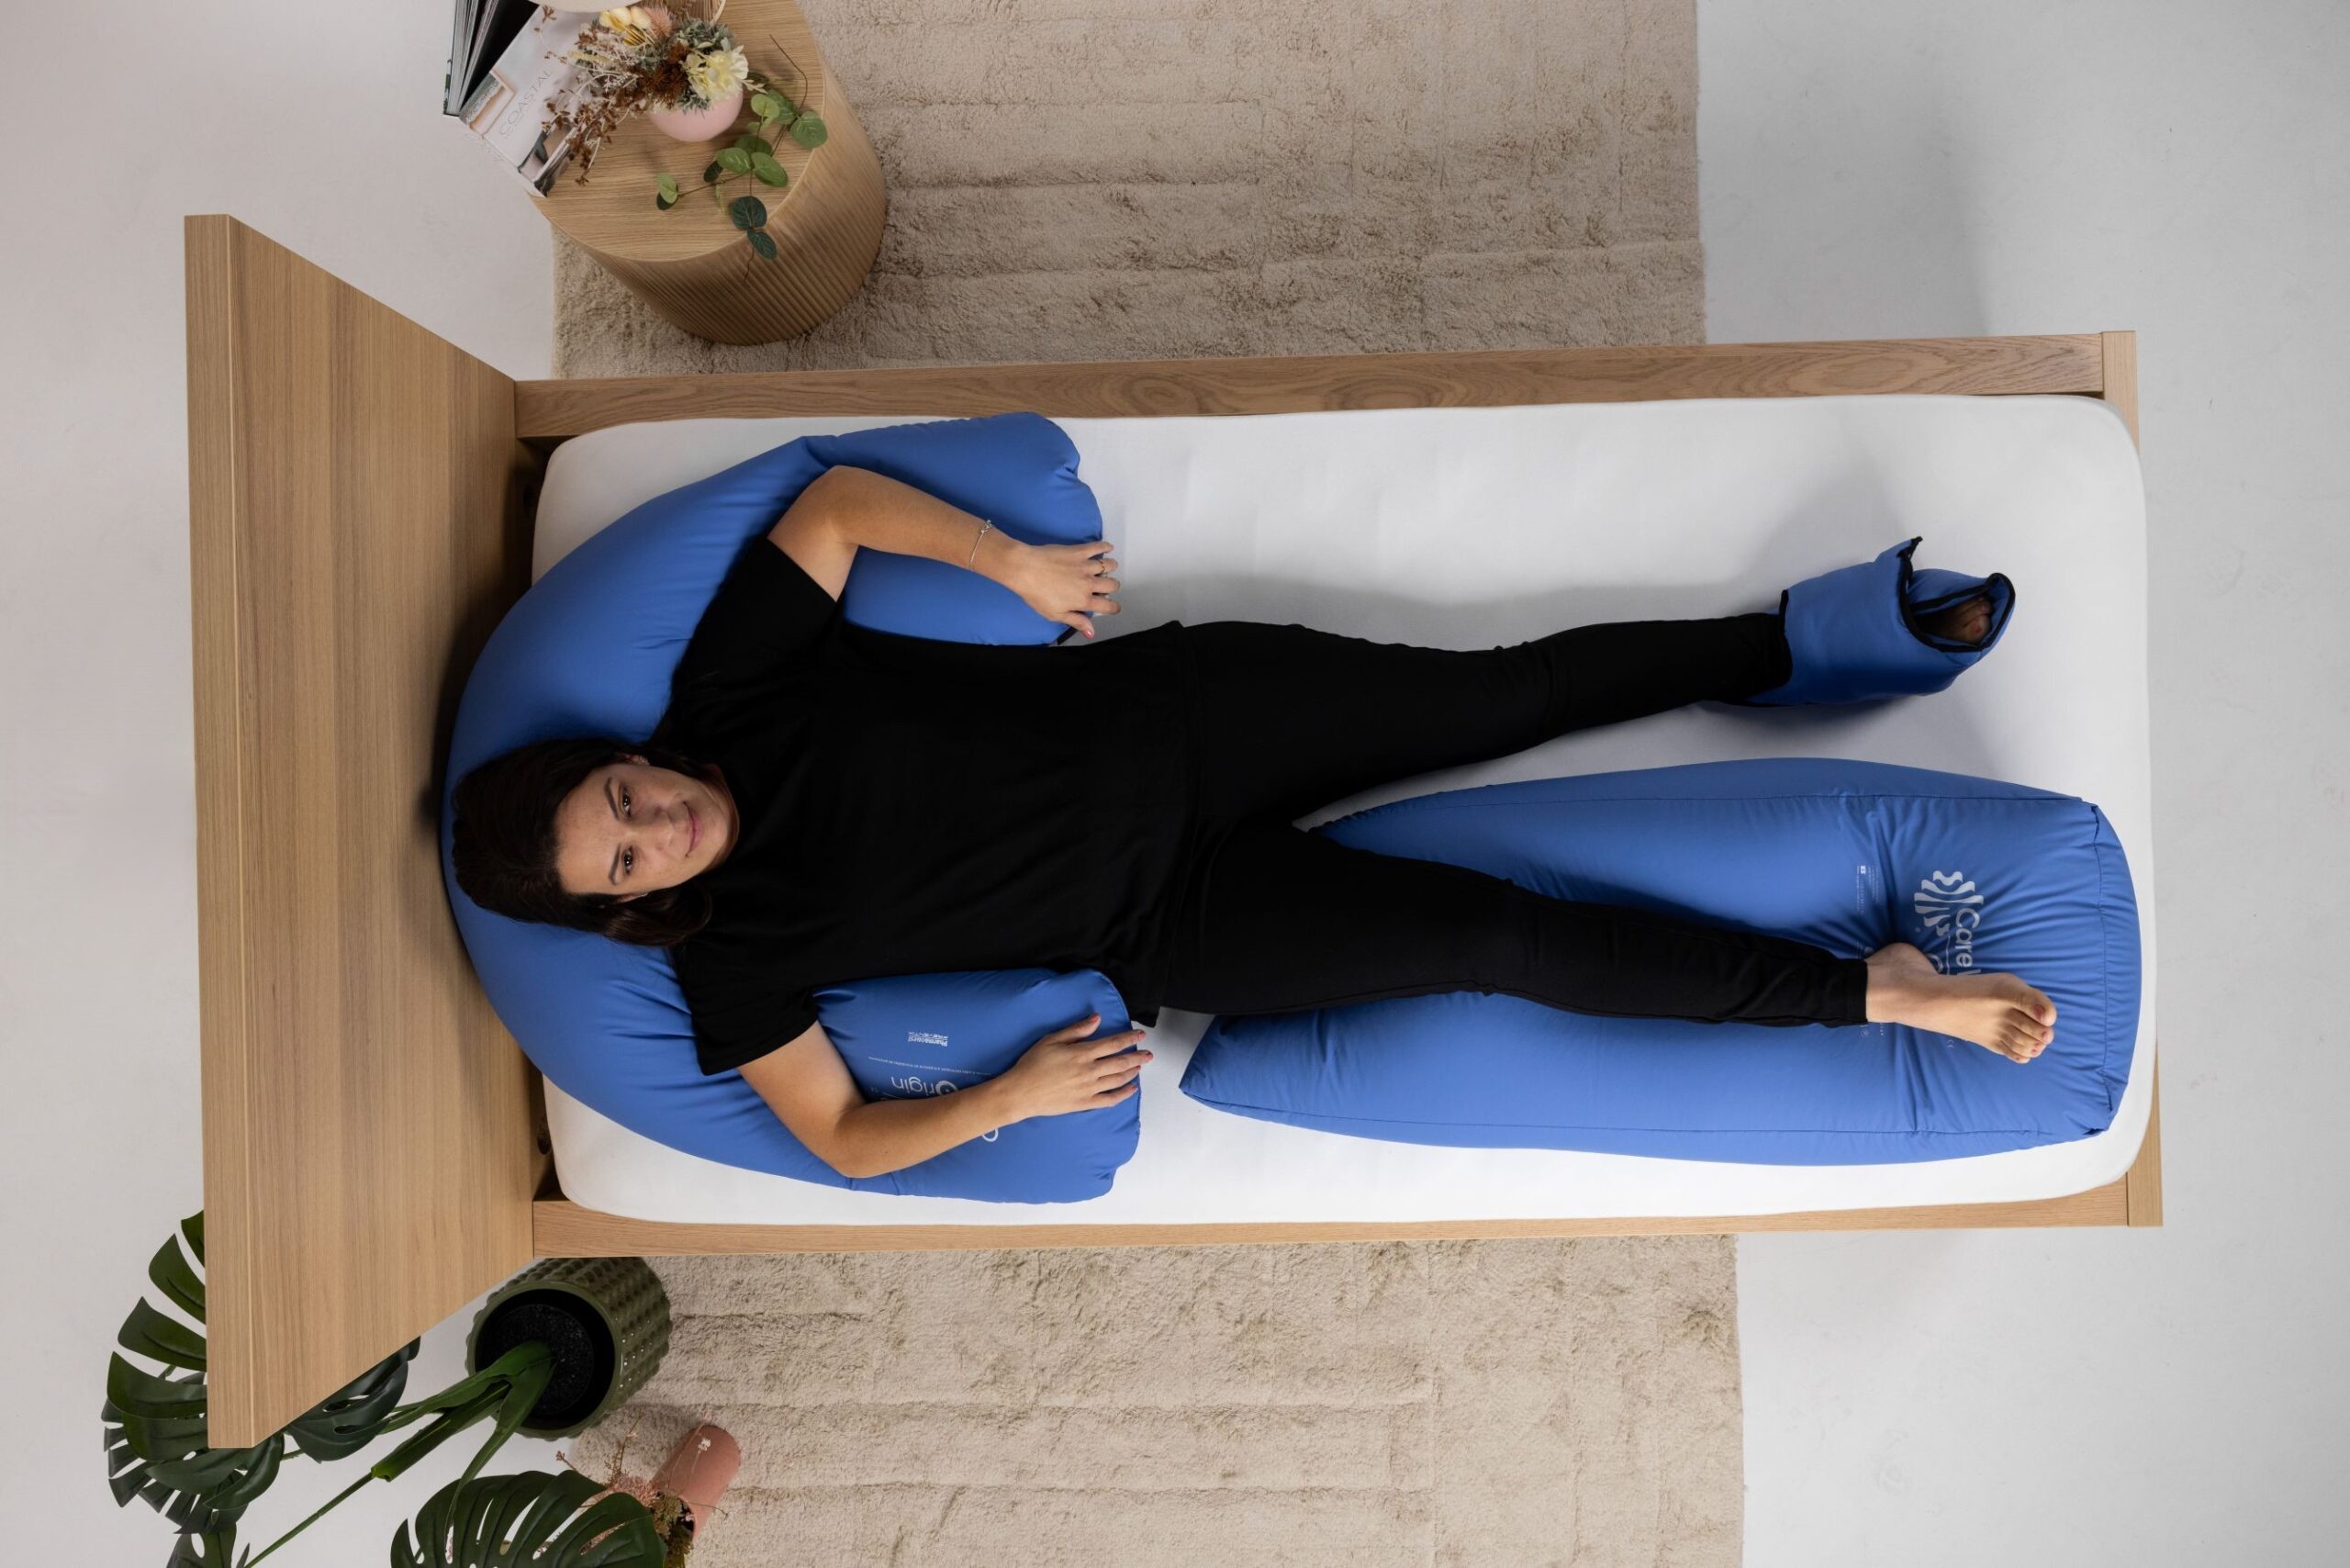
[{"x": 1064, "y": 1071}]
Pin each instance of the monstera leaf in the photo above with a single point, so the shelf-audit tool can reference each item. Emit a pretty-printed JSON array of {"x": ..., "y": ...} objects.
[
  {"x": 213, "y": 1549},
  {"x": 154, "y": 1427},
  {"x": 154, "y": 1421},
  {"x": 502, "y": 1392},
  {"x": 542, "y": 1518}
]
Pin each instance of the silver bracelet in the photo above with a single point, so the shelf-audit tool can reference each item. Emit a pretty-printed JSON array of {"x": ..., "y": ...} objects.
[{"x": 984, "y": 525}]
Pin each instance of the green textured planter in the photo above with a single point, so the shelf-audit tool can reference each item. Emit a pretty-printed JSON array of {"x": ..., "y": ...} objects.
[{"x": 607, "y": 1320}]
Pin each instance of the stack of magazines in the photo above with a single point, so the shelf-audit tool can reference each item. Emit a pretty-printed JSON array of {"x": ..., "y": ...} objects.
[{"x": 506, "y": 71}]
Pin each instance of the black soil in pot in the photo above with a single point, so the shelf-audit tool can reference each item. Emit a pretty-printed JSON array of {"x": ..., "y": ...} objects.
[{"x": 577, "y": 1336}]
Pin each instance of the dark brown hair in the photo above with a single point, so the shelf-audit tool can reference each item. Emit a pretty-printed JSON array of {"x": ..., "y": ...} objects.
[{"x": 504, "y": 846}]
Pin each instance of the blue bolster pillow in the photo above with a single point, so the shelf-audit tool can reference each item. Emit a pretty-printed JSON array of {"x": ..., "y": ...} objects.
[
  {"x": 590, "y": 650},
  {"x": 1858, "y": 632},
  {"x": 1850, "y": 856}
]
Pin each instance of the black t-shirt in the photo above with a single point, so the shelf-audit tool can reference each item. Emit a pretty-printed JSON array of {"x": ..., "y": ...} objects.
[{"x": 912, "y": 806}]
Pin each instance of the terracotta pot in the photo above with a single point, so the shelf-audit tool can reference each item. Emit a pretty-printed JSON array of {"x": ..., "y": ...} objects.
[{"x": 698, "y": 125}]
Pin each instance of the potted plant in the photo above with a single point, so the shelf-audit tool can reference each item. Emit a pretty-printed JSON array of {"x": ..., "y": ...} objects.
[
  {"x": 690, "y": 77},
  {"x": 605, "y": 1322},
  {"x": 551, "y": 1350}
]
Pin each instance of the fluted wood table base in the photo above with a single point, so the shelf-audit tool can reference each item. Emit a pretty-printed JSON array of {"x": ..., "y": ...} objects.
[{"x": 691, "y": 264}]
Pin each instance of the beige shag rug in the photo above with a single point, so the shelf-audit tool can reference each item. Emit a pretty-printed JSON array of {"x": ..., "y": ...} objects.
[
  {"x": 1374, "y": 1405},
  {"x": 1116, "y": 179},
  {"x": 1131, "y": 179}
]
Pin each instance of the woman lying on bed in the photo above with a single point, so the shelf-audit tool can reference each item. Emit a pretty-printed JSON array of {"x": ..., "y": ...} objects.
[{"x": 822, "y": 803}]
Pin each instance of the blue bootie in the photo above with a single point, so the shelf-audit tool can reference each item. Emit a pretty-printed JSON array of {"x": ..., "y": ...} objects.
[{"x": 1858, "y": 632}]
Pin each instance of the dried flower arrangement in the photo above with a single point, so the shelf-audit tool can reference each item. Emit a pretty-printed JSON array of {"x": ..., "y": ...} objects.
[
  {"x": 639, "y": 59},
  {"x": 679, "y": 1524}
]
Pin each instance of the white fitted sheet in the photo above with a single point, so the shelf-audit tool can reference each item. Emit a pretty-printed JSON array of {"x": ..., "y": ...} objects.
[{"x": 1469, "y": 527}]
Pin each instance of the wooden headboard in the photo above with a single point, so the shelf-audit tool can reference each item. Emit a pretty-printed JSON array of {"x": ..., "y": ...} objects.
[
  {"x": 361, "y": 501},
  {"x": 359, "y": 517}
]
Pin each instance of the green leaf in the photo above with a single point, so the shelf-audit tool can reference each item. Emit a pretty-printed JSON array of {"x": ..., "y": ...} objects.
[
  {"x": 354, "y": 1415},
  {"x": 755, "y": 145},
  {"x": 161, "y": 1435},
  {"x": 664, "y": 202},
  {"x": 668, "y": 184},
  {"x": 447, "y": 1423},
  {"x": 521, "y": 1373},
  {"x": 768, "y": 170},
  {"x": 172, "y": 1274},
  {"x": 748, "y": 212},
  {"x": 761, "y": 242},
  {"x": 148, "y": 1396},
  {"x": 808, "y": 130},
  {"x": 734, "y": 160},
  {"x": 149, "y": 1333},
  {"x": 155, "y": 1423},
  {"x": 543, "y": 1519},
  {"x": 196, "y": 1488},
  {"x": 767, "y": 127},
  {"x": 766, "y": 106},
  {"x": 709, "y": 176},
  {"x": 523, "y": 1396},
  {"x": 207, "y": 1549}
]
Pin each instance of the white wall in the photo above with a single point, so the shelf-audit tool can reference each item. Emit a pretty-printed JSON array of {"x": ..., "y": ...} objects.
[
  {"x": 319, "y": 124},
  {"x": 2149, "y": 1398},
  {"x": 1885, "y": 170}
]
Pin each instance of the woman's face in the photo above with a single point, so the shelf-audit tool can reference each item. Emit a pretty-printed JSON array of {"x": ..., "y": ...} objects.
[{"x": 631, "y": 829}]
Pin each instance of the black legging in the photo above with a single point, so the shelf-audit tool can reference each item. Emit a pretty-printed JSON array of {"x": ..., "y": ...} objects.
[{"x": 1292, "y": 719}]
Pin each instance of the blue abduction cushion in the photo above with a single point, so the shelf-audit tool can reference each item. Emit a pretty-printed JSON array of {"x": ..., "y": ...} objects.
[
  {"x": 1850, "y": 856},
  {"x": 590, "y": 650},
  {"x": 1858, "y": 632}
]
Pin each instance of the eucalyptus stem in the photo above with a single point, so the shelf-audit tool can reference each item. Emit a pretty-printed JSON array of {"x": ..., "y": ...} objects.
[{"x": 753, "y": 156}]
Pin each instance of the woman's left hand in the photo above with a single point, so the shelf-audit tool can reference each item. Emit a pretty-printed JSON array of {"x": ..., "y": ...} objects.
[{"x": 1065, "y": 582}]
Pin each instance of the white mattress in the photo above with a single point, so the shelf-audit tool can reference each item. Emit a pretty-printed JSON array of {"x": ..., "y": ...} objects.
[{"x": 1469, "y": 527}]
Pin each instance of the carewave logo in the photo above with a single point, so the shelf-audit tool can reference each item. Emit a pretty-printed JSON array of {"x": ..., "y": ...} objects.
[
  {"x": 921, "y": 1038},
  {"x": 1952, "y": 911}
]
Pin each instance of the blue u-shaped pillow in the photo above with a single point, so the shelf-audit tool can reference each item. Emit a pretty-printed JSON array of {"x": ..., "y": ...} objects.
[
  {"x": 1850, "y": 856},
  {"x": 590, "y": 650}
]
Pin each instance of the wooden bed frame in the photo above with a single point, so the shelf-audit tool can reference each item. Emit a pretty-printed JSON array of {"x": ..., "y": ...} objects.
[{"x": 361, "y": 505}]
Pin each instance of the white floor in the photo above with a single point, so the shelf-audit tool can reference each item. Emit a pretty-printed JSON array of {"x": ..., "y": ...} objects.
[
  {"x": 1884, "y": 170},
  {"x": 316, "y": 124},
  {"x": 1868, "y": 170}
]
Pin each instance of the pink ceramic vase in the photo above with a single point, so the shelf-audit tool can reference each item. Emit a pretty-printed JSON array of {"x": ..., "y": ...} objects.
[{"x": 698, "y": 125}]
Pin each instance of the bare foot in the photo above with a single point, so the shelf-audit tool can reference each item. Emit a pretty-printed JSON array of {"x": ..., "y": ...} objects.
[
  {"x": 1967, "y": 623},
  {"x": 1997, "y": 1012}
]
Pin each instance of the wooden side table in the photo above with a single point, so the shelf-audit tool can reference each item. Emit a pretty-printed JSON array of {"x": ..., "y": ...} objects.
[{"x": 691, "y": 264}]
